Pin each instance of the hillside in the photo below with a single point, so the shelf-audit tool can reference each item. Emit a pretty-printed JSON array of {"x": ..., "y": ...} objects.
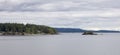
[{"x": 80, "y": 30}]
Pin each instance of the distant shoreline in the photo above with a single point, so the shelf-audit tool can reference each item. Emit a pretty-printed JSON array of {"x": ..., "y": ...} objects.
[{"x": 77, "y": 30}]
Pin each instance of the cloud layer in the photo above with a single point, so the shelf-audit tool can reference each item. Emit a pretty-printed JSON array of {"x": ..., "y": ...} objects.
[
  {"x": 54, "y": 5},
  {"x": 85, "y": 14}
]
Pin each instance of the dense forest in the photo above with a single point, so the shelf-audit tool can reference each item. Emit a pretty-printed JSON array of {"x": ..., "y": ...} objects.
[{"x": 21, "y": 29}]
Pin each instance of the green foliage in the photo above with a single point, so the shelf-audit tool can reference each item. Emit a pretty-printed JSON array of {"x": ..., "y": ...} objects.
[{"x": 28, "y": 28}]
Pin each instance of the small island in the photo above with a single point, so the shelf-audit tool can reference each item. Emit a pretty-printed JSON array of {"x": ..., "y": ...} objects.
[
  {"x": 89, "y": 33},
  {"x": 28, "y": 29}
]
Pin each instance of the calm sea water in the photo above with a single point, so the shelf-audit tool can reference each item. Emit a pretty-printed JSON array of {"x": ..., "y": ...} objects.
[{"x": 62, "y": 44}]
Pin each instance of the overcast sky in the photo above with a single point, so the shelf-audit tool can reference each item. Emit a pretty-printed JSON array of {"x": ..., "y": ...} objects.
[{"x": 85, "y": 14}]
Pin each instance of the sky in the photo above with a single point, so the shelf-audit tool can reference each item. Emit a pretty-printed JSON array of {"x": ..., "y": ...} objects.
[{"x": 84, "y": 14}]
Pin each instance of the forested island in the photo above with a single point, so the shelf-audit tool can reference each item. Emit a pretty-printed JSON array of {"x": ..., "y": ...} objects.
[{"x": 21, "y": 29}]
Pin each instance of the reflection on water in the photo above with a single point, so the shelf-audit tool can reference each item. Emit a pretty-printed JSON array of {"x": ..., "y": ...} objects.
[{"x": 62, "y": 44}]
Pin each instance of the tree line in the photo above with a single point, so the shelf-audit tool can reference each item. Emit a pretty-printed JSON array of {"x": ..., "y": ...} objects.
[{"x": 28, "y": 28}]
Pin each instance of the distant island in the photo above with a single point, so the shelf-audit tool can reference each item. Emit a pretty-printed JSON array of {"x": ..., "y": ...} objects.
[
  {"x": 21, "y": 29},
  {"x": 89, "y": 33}
]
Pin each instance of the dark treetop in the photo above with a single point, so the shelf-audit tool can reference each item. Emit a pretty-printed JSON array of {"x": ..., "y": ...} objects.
[{"x": 21, "y": 29}]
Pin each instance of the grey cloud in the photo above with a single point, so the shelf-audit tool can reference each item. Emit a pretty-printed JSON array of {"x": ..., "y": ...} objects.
[{"x": 54, "y": 5}]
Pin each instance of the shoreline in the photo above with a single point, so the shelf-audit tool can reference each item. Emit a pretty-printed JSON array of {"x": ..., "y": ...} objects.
[{"x": 21, "y": 34}]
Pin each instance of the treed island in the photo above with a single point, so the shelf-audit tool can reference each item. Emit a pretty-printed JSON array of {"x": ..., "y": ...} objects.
[{"x": 22, "y": 29}]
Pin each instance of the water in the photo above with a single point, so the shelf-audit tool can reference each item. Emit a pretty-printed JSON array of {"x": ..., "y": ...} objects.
[{"x": 62, "y": 44}]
